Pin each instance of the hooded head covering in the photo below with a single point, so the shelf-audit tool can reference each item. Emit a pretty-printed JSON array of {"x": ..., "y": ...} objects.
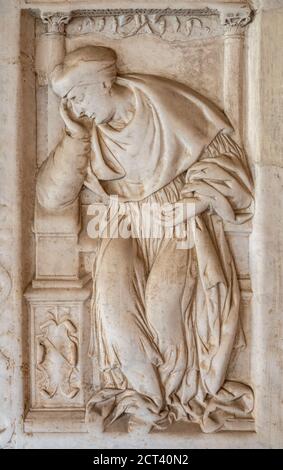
[{"x": 84, "y": 66}]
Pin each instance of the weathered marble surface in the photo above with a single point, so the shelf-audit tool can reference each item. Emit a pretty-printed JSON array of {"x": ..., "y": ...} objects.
[{"x": 25, "y": 143}]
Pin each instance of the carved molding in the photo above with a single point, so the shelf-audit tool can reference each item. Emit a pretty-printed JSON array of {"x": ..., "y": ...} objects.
[{"x": 167, "y": 24}]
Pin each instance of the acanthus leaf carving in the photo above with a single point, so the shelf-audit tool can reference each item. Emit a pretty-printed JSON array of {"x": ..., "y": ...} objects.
[
  {"x": 55, "y": 21},
  {"x": 235, "y": 21}
]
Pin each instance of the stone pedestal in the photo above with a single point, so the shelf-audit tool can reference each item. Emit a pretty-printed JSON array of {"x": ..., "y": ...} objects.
[{"x": 57, "y": 319}]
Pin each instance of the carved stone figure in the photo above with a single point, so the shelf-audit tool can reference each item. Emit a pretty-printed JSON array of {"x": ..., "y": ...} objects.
[{"x": 164, "y": 318}]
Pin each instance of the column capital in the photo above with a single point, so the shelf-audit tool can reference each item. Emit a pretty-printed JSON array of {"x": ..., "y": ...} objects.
[
  {"x": 55, "y": 21},
  {"x": 235, "y": 20}
]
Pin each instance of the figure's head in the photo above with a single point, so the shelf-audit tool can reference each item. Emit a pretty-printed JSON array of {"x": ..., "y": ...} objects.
[{"x": 85, "y": 79}]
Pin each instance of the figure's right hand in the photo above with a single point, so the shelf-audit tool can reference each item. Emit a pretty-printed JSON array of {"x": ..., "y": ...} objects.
[{"x": 74, "y": 128}]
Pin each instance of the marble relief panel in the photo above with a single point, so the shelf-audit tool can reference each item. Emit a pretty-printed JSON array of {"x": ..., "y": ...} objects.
[{"x": 144, "y": 206}]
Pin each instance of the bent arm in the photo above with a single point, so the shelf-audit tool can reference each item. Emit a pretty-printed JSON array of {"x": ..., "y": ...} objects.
[
  {"x": 62, "y": 175},
  {"x": 220, "y": 177}
]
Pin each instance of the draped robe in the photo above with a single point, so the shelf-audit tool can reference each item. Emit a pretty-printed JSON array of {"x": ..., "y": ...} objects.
[{"x": 164, "y": 320}]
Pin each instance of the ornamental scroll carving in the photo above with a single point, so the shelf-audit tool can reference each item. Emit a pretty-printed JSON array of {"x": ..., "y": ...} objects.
[
  {"x": 164, "y": 173},
  {"x": 166, "y": 24},
  {"x": 131, "y": 24},
  {"x": 170, "y": 24}
]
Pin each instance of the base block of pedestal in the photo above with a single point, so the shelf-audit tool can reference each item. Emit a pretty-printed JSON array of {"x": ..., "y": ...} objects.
[
  {"x": 59, "y": 326},
  {"x": 73, "y": 421},
  {"x": 55, "y": 421},
  {"x": 241, "y": 425}
]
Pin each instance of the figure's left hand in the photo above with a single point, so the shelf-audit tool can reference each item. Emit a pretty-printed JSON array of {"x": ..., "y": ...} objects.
[
  {"x": 74, "y": 128},
  {"x": 182, "y": 210},
  {"x": 223, "y": 181}
]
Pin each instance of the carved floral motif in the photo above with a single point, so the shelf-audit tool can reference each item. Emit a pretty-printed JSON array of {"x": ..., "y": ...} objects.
[
  {"x": 167, "y": 24},
  {"x": 58, "y": 355}
]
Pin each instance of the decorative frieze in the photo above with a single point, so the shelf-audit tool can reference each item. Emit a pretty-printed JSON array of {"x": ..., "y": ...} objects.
[{"x": 167, "y": 24}]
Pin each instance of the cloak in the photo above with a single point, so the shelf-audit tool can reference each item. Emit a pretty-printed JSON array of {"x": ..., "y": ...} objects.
[{"x": 167, "y": 133}]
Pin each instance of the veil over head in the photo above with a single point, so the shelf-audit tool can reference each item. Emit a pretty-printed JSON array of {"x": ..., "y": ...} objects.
[{"x": 84, "y": 66}]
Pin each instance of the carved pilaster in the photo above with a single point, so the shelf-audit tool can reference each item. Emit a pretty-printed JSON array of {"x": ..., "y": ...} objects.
[
  {"x": 51, "y": 44},
  {"x": 57, "y": 346},
  {"x": 234, "y": 22},
  {"x": 58, "y": 294},
  {"x": 50, "y": 52}
]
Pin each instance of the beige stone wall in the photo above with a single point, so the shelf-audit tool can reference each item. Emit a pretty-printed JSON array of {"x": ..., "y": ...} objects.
[{"x": 265, "y": 143}]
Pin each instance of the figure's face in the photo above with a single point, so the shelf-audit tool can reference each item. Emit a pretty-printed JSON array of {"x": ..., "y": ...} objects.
[{"x": 93, "y": 101}]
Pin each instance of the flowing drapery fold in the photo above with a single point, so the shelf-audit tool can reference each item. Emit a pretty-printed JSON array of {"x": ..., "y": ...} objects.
[{"x": 185, "y": 368}]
